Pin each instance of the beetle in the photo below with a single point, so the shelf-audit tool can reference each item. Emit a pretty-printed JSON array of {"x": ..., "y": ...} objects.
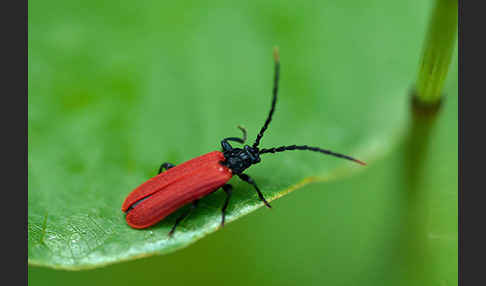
[{"x": 177, "y": 186}]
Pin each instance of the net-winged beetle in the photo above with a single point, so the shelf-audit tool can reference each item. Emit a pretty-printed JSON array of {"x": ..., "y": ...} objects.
[{"x": 186, "y": 183}]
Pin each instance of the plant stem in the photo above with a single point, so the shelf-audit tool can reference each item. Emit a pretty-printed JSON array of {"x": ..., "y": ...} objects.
[{"x": 437, "y": 54}]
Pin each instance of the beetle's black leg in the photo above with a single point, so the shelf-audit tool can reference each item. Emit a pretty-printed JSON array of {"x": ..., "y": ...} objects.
[
  {"x": 227, "y": 189},
  {"x": 235, "y": 139},
  {"x": 250, "y": 181},
  {"x": 226, "y": 146},
  {"x": 165, "y": 166},
  {"x": 182, "y": 216}
]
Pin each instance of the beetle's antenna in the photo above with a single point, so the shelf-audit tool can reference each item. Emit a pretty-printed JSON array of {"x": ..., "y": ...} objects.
[
  {"x": 315, "y": 149},
  {"x": 276, "y": 57}
]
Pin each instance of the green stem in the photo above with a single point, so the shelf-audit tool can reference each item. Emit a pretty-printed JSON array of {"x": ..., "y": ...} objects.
[{"x": 437, "y": 54}]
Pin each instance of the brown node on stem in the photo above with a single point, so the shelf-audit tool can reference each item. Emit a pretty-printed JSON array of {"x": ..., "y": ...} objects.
[{"x": 425, "y": 109}]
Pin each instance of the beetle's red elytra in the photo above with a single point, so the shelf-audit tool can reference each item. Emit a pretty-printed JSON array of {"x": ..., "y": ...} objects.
[
  {"x": 188, "y": 182},
  {"x": 174, "y": 188}
]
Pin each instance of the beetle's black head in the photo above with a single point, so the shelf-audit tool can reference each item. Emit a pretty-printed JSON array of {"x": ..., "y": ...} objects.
[{"x": 238, "y": 159}]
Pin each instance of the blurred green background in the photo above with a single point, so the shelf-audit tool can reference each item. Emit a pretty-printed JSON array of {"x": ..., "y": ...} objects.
[{"x": 99, "y": 71}]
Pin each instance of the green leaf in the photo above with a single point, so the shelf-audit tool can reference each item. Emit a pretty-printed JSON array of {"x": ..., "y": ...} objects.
[{"x": 113, "y": 94}]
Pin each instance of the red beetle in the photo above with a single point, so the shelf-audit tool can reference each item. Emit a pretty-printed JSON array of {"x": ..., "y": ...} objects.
[{"x": 186, "y": 183}]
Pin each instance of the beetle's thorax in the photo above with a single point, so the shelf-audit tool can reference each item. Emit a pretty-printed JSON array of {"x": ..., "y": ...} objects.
[{"x": 238, "y": 159}]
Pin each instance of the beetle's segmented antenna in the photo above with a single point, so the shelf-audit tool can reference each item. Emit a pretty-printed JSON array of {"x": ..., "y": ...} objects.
[
  {"x": 315, "y": 149},
  {"x": 276, "y": 57}
]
